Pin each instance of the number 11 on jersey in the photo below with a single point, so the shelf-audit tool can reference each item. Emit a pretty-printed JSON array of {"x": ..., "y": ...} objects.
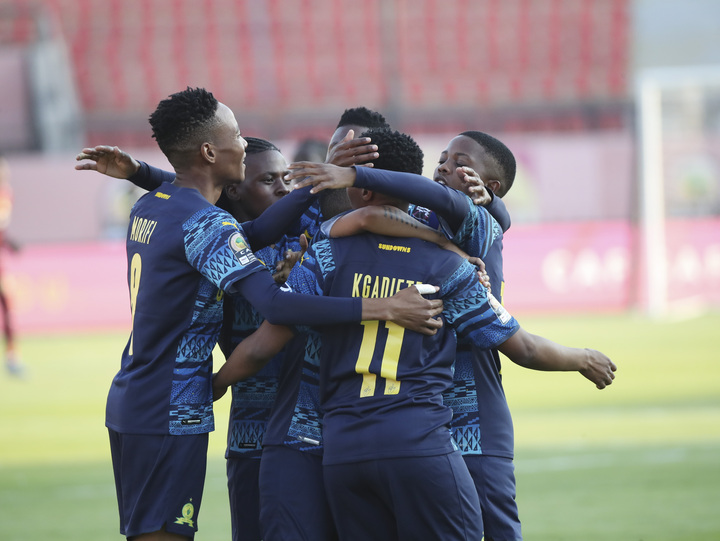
[{"x": 390, "y": 357}]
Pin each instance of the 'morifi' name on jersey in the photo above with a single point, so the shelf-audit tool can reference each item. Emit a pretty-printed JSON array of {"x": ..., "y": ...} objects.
[{"x": 142, "y": 229}]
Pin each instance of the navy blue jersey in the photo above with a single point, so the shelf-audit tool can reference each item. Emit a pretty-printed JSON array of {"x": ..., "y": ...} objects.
[
  {"x": 181, "y": 252},
  {"x": 477, "y": 376},
  {"x": 381, "y": 385},
  {"x": 482, "y": 423},
  {"x": 253, "y": 398},
  {"x": 296, "y": 418},
  {"x": 309, "y": 223}
]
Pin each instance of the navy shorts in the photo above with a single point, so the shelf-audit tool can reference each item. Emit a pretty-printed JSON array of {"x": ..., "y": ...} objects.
[
  {"x": 292, "y": 496},
  {"x": 244, "y": 492},
  {"x": 404, "y": 498},
  {"x": 494, "y": 479},
  {"x": 159, "y": 481}
]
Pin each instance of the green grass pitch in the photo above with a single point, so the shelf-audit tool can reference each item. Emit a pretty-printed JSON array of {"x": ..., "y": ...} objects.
[{"x": 637, "y": 461}]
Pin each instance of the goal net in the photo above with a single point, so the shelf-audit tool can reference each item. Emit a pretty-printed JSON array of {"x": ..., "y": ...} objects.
[{"x": 678, "y": 127}]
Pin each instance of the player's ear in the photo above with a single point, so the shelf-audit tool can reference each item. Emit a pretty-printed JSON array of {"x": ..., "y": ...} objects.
[
  {"x": 367, "y": 195},
  {"x": 207, "y": 151},
  {"x": 233, "y": 191},
  {"x": 493, "y": 185}
]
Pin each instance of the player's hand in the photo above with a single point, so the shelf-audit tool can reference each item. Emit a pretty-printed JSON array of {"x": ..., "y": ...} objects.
[
  {"x": 598, "y": 368},
  {"x": 321, "y": 176},
  {"x": 218, "y": 390},
  {"x": 484, "y": 278},
  {"x": 413, "y": 311},
  {"x": 473, "y": 186},
  {"x": 284, "y": 266},
  {"x": 110, "y": 161},
  {"x": 351, "y": 151}
]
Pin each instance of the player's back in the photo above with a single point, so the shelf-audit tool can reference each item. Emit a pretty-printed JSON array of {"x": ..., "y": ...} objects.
[{"x": 381, "y": 384}]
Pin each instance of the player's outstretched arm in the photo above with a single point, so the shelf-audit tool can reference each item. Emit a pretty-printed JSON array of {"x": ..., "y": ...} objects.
[
  {"x": 116, "y": 163},
  {"x": 538, "y": 353},
  {"x": 110, "y": 161},
  {"x": 250, "y": 356}
]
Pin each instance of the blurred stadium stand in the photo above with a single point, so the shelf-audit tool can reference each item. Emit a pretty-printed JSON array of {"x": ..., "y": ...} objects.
[{"x": 290, "y": 68}]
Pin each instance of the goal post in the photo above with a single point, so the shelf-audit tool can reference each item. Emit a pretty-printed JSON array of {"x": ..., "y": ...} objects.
[{"x": 678, "y": 143}]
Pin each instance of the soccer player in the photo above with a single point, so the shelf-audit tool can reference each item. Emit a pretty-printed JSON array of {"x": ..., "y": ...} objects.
[
  {"x": 482, "y": 423},
  {"x": 385, "y": 426},
  {"x": 12, "y": 360},
  {"x": 183, "y": 252}
]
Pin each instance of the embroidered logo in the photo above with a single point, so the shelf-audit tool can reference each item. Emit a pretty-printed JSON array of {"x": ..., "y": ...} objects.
[{"x": 188, "y": 511}]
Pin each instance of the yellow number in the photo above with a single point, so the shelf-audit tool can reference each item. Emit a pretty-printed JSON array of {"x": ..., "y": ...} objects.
[
  {"x": 135, "y": 269},
  {"x": 390, "y": 358}
]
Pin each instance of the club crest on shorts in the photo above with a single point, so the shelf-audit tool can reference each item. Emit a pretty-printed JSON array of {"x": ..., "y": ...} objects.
[
  {"x": 188, "y": 511},
  {"x": 242, "y": 251}
]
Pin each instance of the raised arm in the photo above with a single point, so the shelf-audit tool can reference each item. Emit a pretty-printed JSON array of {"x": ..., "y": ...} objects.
[
  {"x": 446, "y": 202},
  {"x": 278, "y": 218},
  {"x": 538, "y": 353},
  {"x": 116, "y": 163}
]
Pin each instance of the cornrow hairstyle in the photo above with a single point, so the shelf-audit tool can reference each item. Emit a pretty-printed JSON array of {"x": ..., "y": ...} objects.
[
  {"x": 362, "y": 116},
  {"x": 398, "y": 151},
  {"x": 501, "y": 154},
  {"x": 255, "y": 145},
  {"x": 184, "y": 120}
]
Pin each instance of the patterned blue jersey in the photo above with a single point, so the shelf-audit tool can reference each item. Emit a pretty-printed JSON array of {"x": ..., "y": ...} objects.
[
  {"x": 253, "y": 398},
  {"x": 381, "y": 385},
  {"x": 182, "y": 251},
  {"x": 296, "y": 417},
  {"x": 482, "y": 423}
]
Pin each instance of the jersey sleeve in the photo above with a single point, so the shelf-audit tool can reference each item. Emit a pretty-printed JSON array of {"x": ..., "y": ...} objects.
[
  {"x": 150, "y": 178},
  {"x": 216, "y": 246},
  {"x": 476, "y": 316},
  {"x": 279, "y": 218},
  {"x": 450, "y": 204},
  {"x": 498, "y": 210},
  {"x": 477, "y": 232}
]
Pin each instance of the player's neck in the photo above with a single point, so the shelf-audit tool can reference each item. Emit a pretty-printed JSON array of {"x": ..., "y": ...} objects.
[{"x": 199, "y": 182}]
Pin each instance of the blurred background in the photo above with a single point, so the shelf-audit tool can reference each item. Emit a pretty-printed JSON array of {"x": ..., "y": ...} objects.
[
  {"x": 612, "y": 109},
  {"x": 567, "y": 84}
]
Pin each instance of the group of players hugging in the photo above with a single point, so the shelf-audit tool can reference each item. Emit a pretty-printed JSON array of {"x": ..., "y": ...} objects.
[{"x": 358, "y": 306}]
